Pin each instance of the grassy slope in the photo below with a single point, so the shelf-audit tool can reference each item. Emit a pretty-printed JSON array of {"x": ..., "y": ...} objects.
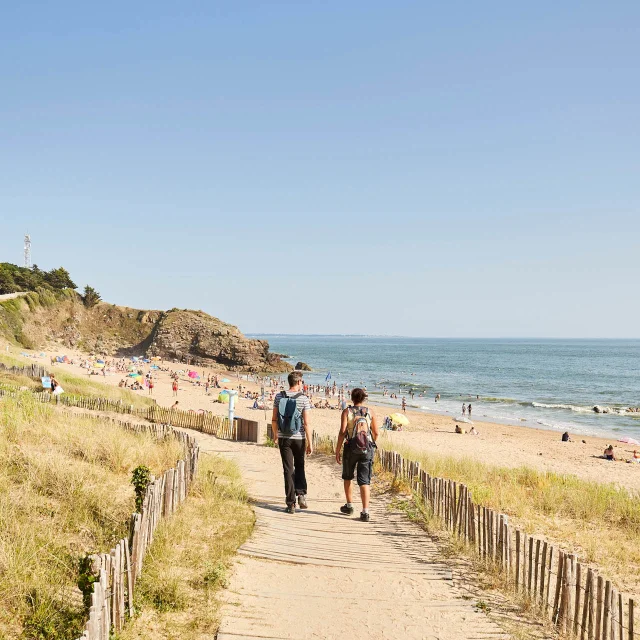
[
  {"x": 31, "y": 321},
  {"x": 72, "y": 384},
  {"x": 64, "y": 491},
  {"x": 190, "y": 556},
  {"x": 601, "y": 522}
]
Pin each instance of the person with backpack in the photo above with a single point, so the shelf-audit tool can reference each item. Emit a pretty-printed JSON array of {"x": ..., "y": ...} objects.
[
  {"x": 359, "y": 432},
  {"x": 290, "y": 426}
]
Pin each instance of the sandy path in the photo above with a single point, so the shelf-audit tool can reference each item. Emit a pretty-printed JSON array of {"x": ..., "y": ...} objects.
[{"x": 298, "y": 576}]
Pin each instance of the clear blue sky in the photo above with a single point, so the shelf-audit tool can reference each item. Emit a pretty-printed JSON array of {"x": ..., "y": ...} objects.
[{"x": 415, "y": 168}]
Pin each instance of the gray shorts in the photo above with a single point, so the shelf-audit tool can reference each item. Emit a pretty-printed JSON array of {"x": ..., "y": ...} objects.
[{"x": 363, "y": 462}]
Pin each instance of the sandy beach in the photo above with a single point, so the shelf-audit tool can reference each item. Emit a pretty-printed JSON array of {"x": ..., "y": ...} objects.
[{"x": 497, "y": 444}]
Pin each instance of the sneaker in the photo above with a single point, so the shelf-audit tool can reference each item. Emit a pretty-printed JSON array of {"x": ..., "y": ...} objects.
[
  {"x": 364, "y": 516},
  {"x": 302, "y": 501},
  {"x": 291, "y": 508},
  {"x": 346, "y": 510}
]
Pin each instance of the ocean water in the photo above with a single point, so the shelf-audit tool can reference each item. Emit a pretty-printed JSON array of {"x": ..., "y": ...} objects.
[{"x": 552, "y": 384}]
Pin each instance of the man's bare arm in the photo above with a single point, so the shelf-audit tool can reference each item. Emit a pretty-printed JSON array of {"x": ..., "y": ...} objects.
[
  {"x": 308, "y": 434},
  {"x": 341, "y": 435}
]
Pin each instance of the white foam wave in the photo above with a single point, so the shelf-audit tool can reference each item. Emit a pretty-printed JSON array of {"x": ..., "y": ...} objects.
[
  {"x": 569, "y": 407},
  {"x": 578, "y": 409}
]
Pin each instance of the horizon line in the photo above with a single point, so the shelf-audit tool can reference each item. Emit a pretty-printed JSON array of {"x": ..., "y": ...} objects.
[{"x": 390, "y": 335}]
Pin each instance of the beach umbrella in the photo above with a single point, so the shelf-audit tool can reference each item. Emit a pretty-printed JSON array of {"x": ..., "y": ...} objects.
[
  {"x": 156, "y": 358},
  {"x": 398, "y": 418},
  {"x": 153, "y": 366},
  {"x": 146, "y": 360},
  {"x": 628, "y": 440},
  {"x": 223, "y": 397},
  {"x": 135, "y": 375},
  {"x": 100, "y": 361},
  {"x": 98, "y": 365},
  {"x": 193, "y": 374},
  {"x": 225, "y": 380}
]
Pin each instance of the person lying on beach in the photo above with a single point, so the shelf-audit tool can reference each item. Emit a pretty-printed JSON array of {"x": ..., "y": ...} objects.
[
  {"x": 608, "y": 453},
  {"x": 473, "y": 432},
  {"x": 635, "y": 458}
]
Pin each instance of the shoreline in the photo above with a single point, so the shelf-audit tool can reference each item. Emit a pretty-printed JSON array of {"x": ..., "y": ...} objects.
[{"x": 498, "y": 444}]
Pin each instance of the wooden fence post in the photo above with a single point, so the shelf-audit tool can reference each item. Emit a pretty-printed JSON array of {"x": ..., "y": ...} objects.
[{"x": 598, "y": 621}]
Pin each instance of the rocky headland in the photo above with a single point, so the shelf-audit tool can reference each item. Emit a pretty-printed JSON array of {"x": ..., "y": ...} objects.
[{"x": 40, "y": 319}]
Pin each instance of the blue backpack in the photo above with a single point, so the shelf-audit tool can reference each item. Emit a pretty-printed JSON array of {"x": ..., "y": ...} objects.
[{"x": 289, "y": 416}]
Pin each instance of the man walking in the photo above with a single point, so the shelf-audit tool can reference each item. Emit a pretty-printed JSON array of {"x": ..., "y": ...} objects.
[{"x": 290, "y": 426}]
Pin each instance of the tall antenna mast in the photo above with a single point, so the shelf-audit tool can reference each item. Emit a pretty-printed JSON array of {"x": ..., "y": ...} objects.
[{"x": 27, "y": 251}]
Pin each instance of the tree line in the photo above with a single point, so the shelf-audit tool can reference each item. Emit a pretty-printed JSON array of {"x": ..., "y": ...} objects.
[{"x": 14, "y": 279}]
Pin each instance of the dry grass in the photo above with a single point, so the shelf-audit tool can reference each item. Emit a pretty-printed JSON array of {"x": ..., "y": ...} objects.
[
  {"x": 189, "y": 559},
  {"x": 64, "y": 492},
  {"x": 72, "y": 384},
  {"x": 600, "y": 522}
]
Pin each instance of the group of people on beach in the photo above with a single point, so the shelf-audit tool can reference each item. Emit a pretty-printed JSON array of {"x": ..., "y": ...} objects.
[{"x": 355, "y": 449}]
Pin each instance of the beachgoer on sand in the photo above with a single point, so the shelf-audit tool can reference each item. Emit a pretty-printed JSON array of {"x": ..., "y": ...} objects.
[
  {"x": 359, "y": 432},
  {"x": 290, "y": 425},
  {"x": 566, "y": 437},
  {"x": 608, "y": 453}
]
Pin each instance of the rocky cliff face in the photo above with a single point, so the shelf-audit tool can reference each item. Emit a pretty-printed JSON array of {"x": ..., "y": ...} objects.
[
  {"x": 37, "y": 320},
  {"x": 180, "y": 334}
]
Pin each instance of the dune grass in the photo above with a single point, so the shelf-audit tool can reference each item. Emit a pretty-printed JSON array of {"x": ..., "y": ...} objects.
[
  {"x": 73, "y": 384},
  {"x": 64, "y": 492},
  {"x": 600, "y": 522},
  {"x": 189, "y": 559}
]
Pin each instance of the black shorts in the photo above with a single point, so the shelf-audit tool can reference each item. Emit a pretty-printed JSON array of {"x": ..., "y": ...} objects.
[{"x": 363, "y": 461}]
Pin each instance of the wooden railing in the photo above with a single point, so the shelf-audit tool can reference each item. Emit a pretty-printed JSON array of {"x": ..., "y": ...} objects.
[
  {"x": 118, "y": 570},
  {"x": 578, "y": 601},
  {"x": 205, "y": 422},
  {"x": 31, "y": 370}
]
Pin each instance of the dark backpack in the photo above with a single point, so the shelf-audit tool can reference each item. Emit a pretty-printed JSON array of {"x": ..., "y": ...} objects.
[
  {"x": 360, "y": 439},
  {"x": 289, "y": 416}
]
